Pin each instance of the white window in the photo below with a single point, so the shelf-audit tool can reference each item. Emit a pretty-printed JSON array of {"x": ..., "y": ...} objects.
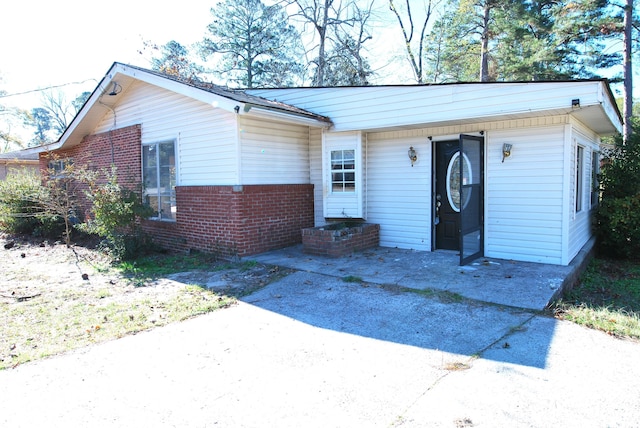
[
  {"x": 579, "y": 177},
  {"x": 159, "y": 178},
  {"x": 343, "y": 171},
  {"x": 59, "y": 168},
  {"x": 595, "y": 183}
]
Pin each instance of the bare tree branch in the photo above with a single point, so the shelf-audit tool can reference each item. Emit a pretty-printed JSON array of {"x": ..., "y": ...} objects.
[
  {"x": 326, "y": 17},
  {"x": 415, "y": 60}
]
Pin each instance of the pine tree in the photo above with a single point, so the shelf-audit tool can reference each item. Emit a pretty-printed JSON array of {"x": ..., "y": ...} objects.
[
  {"x": 344, "y": 67},
  {"x": 254, "y": 43},
  {"x": 175, "y": 61},
  {"x": 524, "y": 40}
]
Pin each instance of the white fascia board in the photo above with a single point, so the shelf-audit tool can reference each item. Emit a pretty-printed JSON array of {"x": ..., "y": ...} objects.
[
  {"x": 609, "y": 107},
  {"x": 269, "y": 113},
  {"x": 90, "y": 106},
  {"x": 120, "y": 74},
  {"x": 207, "y": 97},
  {"x": 219, "y": 101}
]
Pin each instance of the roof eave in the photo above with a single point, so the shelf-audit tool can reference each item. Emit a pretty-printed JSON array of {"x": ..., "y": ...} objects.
[
  {"x": 287, "y": 116},
  {"x": 123, "y": 75}
]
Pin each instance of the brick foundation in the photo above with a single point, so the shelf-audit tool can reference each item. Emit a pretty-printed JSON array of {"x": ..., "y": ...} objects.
[
  {"x": 236, "y": 220},
  {"x": 335, "y": 241}
]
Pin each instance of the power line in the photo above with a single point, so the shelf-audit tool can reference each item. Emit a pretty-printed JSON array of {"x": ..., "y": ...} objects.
[{"x": 45, "y": 89}]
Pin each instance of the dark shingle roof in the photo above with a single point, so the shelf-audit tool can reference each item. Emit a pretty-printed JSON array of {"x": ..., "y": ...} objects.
[
  {"x": 21, "y": 155},
  {"x": 238, "y": 95}
]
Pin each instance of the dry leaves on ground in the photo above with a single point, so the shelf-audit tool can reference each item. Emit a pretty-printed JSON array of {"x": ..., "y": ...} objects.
[{"x": 54, "y": 299}]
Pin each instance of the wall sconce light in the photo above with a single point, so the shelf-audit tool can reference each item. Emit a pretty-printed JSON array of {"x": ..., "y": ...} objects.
[
  {"x": 506, "y": 151},
  {"x": 575, "y": 103},
  {"x": 413, "y": 155}
]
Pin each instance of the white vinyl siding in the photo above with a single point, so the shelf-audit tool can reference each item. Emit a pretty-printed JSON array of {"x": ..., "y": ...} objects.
[
  {"x": 273, "y": 152},
  {"x": 207, "y": 138},
  {"x": 399, "y": 195},
  {"x": 385, "y": 107},
  {"x": 315, "y": 165},
  {"x": 208, "y": 149},
  {"x": 524, "y": 195},
  {"x": 580, "y": 228}
]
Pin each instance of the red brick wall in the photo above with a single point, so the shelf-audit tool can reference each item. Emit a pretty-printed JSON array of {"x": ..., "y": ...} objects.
[
  {"x": 122, "y": 147},
  {"x": 227, "y": 220},
  {"x": 236, "y": 220},
  {"x": 326, "y": 241}
]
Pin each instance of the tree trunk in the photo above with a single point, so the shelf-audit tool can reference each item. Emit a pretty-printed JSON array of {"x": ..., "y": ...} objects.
[
  {"x": 321, "y": 58},
  {"x": 322, "y": 32},
  {"x": 628, "y": 84},
  {"x": 484, "y": 49}
]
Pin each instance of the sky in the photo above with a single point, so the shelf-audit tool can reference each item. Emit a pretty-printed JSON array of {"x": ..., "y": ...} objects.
[
  {"x": 71, "y": 44},
  {"x": 47, "y": 43}
]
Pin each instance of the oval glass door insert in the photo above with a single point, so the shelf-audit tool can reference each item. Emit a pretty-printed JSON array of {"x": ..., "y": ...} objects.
[{"x": 453, "y": 180}]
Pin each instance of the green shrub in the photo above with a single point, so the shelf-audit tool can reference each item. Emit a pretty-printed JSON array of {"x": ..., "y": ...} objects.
[
  {"x": 116, "y": 212},
  {"x": 621, "y": 166},
  {"x": 617, "y": 218},
  {"x": 618, "y": 227},
  {"x": 22, "y": 206}
]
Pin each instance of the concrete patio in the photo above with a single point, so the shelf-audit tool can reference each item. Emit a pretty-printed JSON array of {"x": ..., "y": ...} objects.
[{"x": 503, "y": 282}]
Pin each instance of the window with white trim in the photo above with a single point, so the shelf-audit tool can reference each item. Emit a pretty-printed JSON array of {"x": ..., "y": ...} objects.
[
  {"x": 595, "y": 181},
  {"x": 343, "y": 171},
  {"x": 159, "y": 178},
  {"x": 343, "y": 178},
  {"x": 59, "y": 168},
  {"x": 579, "y": 177}
]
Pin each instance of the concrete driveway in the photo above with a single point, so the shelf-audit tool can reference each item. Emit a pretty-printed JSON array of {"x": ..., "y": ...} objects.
[{"x": 312, "y": 350}]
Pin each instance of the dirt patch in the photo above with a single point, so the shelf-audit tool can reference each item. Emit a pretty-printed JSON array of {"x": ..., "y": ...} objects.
[
  {"x": 32, "y": 267},
  {"x": 231, "y": 280},
  {"x": 28, "y": 264},
  {"x": 54, "y": 298}
]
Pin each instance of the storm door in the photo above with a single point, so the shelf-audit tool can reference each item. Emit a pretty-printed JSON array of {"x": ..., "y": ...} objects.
[
  {"x": 458, "y": 200},
  {"x": 471, "y": 198}
]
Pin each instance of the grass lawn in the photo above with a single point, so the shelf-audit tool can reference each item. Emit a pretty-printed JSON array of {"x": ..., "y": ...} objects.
[{"x": 607, "y": 298}]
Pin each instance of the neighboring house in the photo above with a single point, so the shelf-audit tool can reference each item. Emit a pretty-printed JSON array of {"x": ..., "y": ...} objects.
[
  {"x": 241, "y": 172},
  {"x": 19, "y": 161}
]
